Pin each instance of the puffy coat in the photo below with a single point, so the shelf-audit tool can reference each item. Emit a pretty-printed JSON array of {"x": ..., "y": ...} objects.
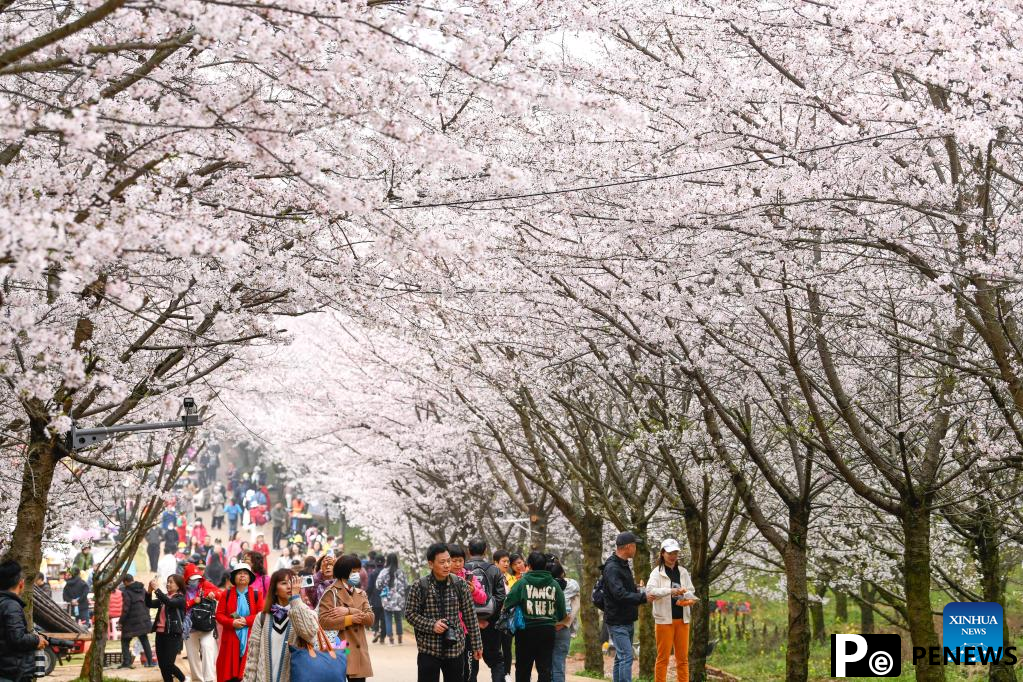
[
  {"x": 393, "y": 598},
  {"x": 135, "y": 620},
  {"x": 621, "y": 598},
  {"x": 17, "y": 643}
]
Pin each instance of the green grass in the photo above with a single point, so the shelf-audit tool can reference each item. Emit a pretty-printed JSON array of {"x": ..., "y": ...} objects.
[{"x": 750, "y": 660}]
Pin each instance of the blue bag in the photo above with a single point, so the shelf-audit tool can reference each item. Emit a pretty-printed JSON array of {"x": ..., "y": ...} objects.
[
  {"x": 511, "y": 621},
  {"x": 324, "y": 665}
]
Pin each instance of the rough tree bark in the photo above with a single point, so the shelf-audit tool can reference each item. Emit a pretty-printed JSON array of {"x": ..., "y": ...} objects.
[
  {"x": 25, "y": 545},
  {"x": 591, "y": 535},
  {"x": 916, "y": 525}
]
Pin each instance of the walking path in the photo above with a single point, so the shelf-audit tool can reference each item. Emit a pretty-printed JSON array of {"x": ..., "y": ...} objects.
[{"x": 390, "y": 664}]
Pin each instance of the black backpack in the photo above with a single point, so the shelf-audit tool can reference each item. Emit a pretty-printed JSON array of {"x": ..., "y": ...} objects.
[
  {"x": 204, "y": 615},
  {"x": 597, "y": 596},
  {"x": 487, "y": 609}
]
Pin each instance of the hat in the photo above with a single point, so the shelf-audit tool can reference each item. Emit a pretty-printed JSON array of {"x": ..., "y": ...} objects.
[
  {"x": 192, "y": 572},
  {"x": 242, "y": 567},
  {"x": 670, "y": 545},
  {"x": 626, "y": 538}
]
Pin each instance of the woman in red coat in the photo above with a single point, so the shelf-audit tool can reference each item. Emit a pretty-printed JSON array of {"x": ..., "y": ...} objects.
[{"x": 236, "y": 612}]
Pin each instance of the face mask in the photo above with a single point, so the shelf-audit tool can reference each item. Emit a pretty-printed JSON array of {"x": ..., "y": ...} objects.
[{"x": 354, "y": 580}]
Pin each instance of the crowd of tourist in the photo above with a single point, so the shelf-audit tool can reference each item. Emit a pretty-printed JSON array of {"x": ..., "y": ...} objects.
[{"x": 235, "y": 606}]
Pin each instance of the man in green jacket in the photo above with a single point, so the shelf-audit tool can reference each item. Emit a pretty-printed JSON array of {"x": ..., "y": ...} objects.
[{"x": 543, "y": 604}]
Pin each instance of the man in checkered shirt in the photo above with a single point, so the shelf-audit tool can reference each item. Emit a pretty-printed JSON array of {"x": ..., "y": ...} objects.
[{"x": 438, "y": 602}]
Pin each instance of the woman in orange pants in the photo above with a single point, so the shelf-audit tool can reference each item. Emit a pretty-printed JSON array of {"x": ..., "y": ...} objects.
[{"x": 674, "y": 591}]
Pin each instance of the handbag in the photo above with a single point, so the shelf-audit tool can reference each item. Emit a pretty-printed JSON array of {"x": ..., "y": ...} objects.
[
  {"x": 325, "y": 665},
  {"x": 511, "y": 621}
]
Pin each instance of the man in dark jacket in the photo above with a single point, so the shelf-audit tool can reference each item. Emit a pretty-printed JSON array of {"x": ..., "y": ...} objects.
[
  {"x": 375, "y": 600},
  {"x": 135, "y": 622},
  {"x": 153, "y": 538},
  {"x": 493, "y": 655},
  {"x": 621, "y": 604},
  {"x": 17, "y": 644},
  {"x": 76, "y": 592}
]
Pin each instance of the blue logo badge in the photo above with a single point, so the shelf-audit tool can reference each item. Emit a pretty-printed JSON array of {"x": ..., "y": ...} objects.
[{"x": 975, "y": 628}]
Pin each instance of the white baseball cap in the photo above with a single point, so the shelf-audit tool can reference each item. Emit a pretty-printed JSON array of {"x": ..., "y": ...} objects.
[{"x": 670, "y": 545}]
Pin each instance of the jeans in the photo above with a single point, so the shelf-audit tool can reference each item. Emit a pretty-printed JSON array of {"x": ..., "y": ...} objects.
[
  {"x": 232, "y": 526},
  {"x": 534, "y": 646},
  {"x": 126, "y": 656},
  {"x": 430, "y": 668},
  {"x": 392, "y": 618},
  {"x": 493, "y": 655},
  {"x": 621, "y": 640},
  {"x": 562, "y": 643}
]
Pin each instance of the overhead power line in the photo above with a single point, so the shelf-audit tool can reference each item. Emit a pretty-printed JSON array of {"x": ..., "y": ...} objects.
[{"x": 652, "y": 178}]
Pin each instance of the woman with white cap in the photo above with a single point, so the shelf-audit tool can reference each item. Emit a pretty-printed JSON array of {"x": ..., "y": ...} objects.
[{"x": 673, "y": 590}]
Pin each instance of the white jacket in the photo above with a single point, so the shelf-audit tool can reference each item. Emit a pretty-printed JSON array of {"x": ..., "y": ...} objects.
[{"x": 659, "y": 585}]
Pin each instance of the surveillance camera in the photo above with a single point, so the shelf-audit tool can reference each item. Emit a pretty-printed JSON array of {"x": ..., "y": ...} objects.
[
  {"x": 189, "y": 404},
  {"x": 500, "y": 513}
]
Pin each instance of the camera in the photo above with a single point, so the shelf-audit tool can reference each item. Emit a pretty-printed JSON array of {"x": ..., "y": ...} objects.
[
  {"x": 61, "y": 643},
  {"x": 191, "y": 417},
  {"x": 307, "y": 581},
  {"x": 450, "y": 637}
]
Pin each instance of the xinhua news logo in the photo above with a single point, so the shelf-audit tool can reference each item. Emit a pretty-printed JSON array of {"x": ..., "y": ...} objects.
[
  {"x": 866, "y": 655},
  {"x": 971, "y": 633}
]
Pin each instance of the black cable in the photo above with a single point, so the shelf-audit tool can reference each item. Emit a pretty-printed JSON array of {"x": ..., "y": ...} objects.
[{"x": 651, "y": 178}]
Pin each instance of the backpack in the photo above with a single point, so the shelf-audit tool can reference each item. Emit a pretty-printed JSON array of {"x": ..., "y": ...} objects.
[
  {"x": 487, "y": 609},
  {"x": 597, "y": 596},
  {"x": 203, "y": 615}
]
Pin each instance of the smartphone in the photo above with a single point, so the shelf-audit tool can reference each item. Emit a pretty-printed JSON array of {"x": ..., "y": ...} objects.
[{"x": 307, "y": 581}]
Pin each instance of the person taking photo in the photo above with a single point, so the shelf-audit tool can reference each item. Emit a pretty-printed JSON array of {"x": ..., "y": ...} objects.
[
  {"x": 285, "y": 622},
  {"x": 169, "y": 625}
]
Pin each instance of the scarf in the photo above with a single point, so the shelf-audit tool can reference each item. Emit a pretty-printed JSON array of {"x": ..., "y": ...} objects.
[
  {"x": 279, "y": 613},
  {"x": 243, "y": 610}
]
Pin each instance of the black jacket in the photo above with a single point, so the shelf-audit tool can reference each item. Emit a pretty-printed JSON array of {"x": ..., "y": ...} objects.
[
  {"x": 17, "y": 643},
  {"x": 76, "y": 588},
  {"x": 135, "y": 620},
  {"x": 494, "y": 575},
  {"x": 154, "y": 536},
  {"x": 621, "y": 598},
  {"x": 175, "y": 607},
  {"x": 371, "y": 589}
]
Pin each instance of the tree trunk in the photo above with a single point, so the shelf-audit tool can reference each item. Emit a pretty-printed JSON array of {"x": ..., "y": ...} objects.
[
  {"x": 26, "y": 542},
  {"x": 537, "y": 528},
  {"x": 797, "y": 654},
  {"x": 986, "y": 548},
  {"x": 916, "y": 528},
  {"x": 817, "y": 612},
  {"x": 699, "y": 625},
  {"x": 647, "y": 640},
  {"x": 866, "y": 609},
  {"x": 92, "y": 666},
  {"x": 591, "y": 535},
  {"x": 699, "y": 628},
  {"x": 841, "y": 606}
]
